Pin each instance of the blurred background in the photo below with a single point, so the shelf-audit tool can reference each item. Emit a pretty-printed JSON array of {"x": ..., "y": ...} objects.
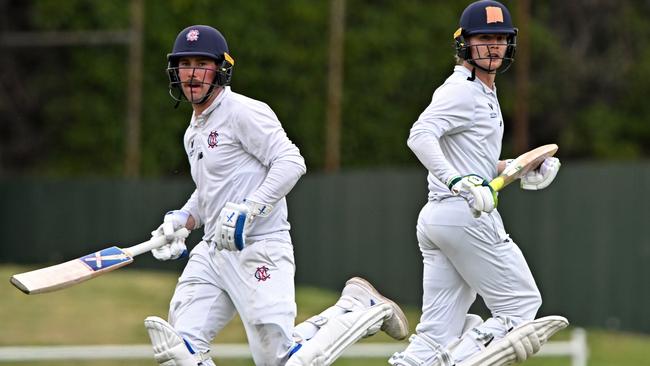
[{"x": 91, "y": 145}]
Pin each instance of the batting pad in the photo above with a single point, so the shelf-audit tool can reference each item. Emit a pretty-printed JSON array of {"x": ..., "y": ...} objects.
[
  {"x": 168, "y": 346},
  {"x": 519, "y": 344},
  {"x": 338, "y": 334}
]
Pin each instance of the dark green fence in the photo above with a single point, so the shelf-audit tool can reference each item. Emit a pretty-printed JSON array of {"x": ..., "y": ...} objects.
[{"x": 584, "y": 236}]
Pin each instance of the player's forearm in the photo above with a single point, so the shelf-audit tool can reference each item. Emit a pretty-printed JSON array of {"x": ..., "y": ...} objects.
[
  {"x": 192, "y": 206},
  {"x": 281, "y": 178},
  {"x": 427, "y": 148},
  {"x": 189, "y": 225},
  {"x": 501, "y": 165}
]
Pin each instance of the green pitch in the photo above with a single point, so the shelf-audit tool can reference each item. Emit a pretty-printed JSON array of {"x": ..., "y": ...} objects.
[{"x": 110, "y": 310}]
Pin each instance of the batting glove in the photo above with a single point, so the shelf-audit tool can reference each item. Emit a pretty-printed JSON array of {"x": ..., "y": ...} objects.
[
  {"x": 175, "y": 247},
  {"x": 234, "y": 223},
  {"x": 481, "y": 197},
  {"x": 541, "y": 177}
]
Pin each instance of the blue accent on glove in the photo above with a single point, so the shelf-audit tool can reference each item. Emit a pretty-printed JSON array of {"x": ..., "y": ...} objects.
[
  {"x": 239, "y": 231},
  {"x": 189, "y": 347},
  {"x": 295, "y": 349}
]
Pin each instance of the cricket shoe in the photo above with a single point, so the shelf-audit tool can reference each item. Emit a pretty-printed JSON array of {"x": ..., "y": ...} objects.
[{"x": 396, "y": 325}]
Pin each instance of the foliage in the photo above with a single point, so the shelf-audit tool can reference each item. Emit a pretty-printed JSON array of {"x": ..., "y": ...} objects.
[{"x": 65, "y": 107}]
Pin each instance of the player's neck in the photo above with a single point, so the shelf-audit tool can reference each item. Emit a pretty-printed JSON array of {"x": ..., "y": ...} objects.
[
  {"x": 486, "y": 77},
  {"x": 199, "y": 108}
]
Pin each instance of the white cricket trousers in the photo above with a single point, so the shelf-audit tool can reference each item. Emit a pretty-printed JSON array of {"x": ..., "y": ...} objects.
[
  {"x": 257, "y": 283},
  {"x": 464, "y": 256}
]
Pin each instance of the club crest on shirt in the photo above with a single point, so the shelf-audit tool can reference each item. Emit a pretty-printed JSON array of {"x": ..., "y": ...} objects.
[
  {"x": 262, "y": 273},
  {"x": 212, "y": 139}
]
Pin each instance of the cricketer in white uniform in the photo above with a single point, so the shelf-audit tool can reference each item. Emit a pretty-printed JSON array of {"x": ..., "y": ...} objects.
[
  {"x": 464, "y": 244},
  {"x": 243, "y": 165}
]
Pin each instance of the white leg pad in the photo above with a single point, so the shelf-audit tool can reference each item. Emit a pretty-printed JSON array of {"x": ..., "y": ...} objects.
[
  {"x": 339, "y": 333},
  {"x": 168, "y": 346},
  {"x": 519, "y": 344}
]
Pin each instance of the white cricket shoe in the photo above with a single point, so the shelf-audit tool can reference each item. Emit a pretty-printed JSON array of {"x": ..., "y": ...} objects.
[{"x": 396, "y": 325}]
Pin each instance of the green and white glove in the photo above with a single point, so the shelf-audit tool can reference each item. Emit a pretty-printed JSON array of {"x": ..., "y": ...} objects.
[{"x": 481, "y": 197}]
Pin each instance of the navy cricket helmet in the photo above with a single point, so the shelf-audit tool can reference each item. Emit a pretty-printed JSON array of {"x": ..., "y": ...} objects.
[
  {"x": 199, "y": 40},
  {"x": 486, "y": 17}
]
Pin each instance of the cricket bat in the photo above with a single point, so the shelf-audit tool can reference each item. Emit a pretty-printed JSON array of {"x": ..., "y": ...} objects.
[
  {"x": 522, "y": 165},
  {"x": 70, "y": 273}
]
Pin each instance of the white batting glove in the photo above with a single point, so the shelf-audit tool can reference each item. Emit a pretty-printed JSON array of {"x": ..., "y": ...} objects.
[
  {"x": 234, "y": 223},
  {"x": 175, "y": 247},
  {"x": 541, "y": 177},
  {"x": 481, "y": 197}
]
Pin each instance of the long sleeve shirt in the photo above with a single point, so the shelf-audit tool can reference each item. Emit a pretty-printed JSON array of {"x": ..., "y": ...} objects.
[
  {"x": 459, "y": 133},
  {"x": 238, "y": 150}
]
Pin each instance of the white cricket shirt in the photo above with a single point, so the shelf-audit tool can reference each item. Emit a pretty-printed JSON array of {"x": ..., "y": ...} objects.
[
  {"x": 238, "y": 149},
  {"x": 459, "y": 133}
]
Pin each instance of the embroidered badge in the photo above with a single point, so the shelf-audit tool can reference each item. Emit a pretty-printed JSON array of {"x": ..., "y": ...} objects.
[
  {"x": 212, "y": 139},
  {"x": 193, "y": 35},
  {"x": 262, "y": 273}
]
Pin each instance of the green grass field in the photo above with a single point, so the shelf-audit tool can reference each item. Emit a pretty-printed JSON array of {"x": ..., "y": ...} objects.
[{"x": 110, "y": 310}]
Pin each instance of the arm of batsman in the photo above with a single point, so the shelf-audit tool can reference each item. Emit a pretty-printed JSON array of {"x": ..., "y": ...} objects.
[
  {"x": 234, "y": 223},
  {"x": 175, "y": 247},
  {"x": 541, "y": 177}
]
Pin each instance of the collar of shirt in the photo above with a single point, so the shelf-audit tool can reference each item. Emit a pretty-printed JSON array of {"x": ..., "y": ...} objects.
[
  {"x": 465, "y": 71},
  {"x": 200, "y": 120}
]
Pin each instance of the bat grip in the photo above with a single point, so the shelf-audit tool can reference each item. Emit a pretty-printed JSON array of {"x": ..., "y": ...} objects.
[
  {"x": 497, "y": 183},
  {"x": 153, "y": 243}
]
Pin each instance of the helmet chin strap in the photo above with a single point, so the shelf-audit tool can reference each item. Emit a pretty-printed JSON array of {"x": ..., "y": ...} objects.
[
  {"x": 474, "y": 66},
  {"x": 473, "y": 76}
]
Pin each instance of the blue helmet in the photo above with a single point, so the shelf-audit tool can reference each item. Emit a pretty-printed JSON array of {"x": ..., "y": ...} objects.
[
  {"x": 486, "y": 17},
  {"x": 199, "y": 40}
]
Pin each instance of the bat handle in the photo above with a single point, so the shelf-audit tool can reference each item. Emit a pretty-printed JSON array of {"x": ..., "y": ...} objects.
[
  {"x": 153, "y": 243},
  {"x": 497, "y": 183}
]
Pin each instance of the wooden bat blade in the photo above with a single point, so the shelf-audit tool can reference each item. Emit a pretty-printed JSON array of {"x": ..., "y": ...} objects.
[
  {"x": 81, "y": 269},
  {"x": 72, "y": 272},
  {"x": 522, "y": 165}
]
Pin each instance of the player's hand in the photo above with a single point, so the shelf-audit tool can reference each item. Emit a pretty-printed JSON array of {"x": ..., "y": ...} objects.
[
  {"x": 481, "y": 197},
  {"x": 541, "y": 177},
  {"x": 234, "y": 223},
  {"x": 175, "y": 247}
]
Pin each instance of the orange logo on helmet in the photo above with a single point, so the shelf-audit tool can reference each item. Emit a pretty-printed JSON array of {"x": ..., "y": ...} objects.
[{"x": 494, "y": 14}]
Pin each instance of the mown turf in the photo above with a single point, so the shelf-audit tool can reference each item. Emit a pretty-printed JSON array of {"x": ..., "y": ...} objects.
[{"x": 110, "y": 310}]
